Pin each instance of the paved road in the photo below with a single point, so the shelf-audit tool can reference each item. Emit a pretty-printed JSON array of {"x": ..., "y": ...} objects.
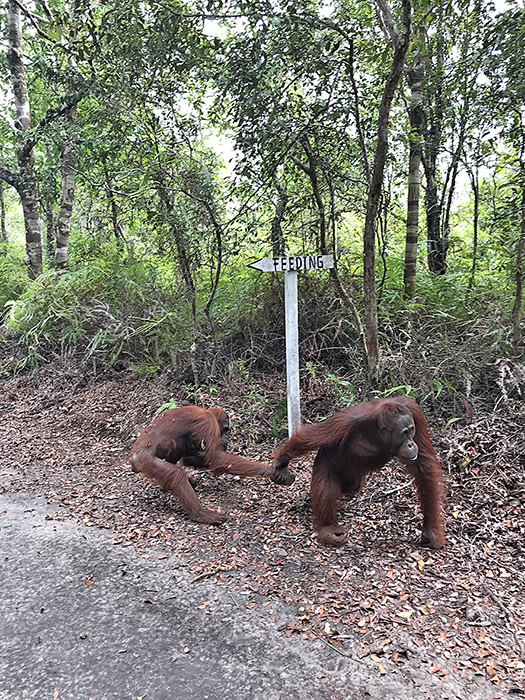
[{"x": 83, "y": 617}]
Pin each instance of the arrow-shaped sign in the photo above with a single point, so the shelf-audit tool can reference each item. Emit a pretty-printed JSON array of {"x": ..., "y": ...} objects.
[{"x": 293, "y": 263}]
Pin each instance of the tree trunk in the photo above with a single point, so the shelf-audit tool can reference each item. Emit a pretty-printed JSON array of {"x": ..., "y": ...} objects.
[
  {"x": 374, "y": 194},
  {"x": 436, "y": 252},
  {"x": 219, "y": 235},
  {"x": 26, "y": 182},
  {"x": 356, "y": 112},
  {"x": 117, "y": 231},
  {"x": 475, "y": 189},
  {"x": 436, "y": 244},
  {"x": 33, "y": 227},
  {"x": 311, "y": 171},
  {"x": 67, "y": 196},
  {"x": 3, "y": 229},
  {"x": 416, "y": 76},
  {"x": 449, "y": 186},
  {"x": 50, "y": 233},
  {"x": 520, "y": 258}
]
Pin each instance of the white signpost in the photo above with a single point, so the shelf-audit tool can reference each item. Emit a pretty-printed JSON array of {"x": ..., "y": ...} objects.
[{"x": 290, "y": 265}]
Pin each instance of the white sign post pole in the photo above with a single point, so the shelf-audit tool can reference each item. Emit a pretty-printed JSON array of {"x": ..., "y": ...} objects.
[
  {"x": 292, "y": 351},
  {"x": 290, "y": 264}
]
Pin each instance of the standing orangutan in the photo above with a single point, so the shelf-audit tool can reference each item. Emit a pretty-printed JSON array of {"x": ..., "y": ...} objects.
[
  {"x": 198, "y": 437},
  {"x": 361, "y": 439}
]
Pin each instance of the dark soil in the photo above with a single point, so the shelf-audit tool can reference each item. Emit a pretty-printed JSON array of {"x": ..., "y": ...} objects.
[{"x": 382, "y": 599}]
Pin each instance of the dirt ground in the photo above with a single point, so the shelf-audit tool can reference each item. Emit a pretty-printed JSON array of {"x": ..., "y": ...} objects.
[{"x": 451, "y": 620}]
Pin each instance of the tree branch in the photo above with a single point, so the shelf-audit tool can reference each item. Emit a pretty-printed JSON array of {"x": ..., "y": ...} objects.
[
  {"x": 387, "y": 22},
  {"x": 7, "y": 175},
  {"x": 35, "y": 19},
  {"x": 30, "y": 15},
  {"x": 300, "y": 165},
  {"x": 47, "y": 11},
  {"x": 51, "y": 115}
]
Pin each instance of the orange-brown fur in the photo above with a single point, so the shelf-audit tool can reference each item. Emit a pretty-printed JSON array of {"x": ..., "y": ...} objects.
[
  {"x": 191, "y": 433},
  {"x": 339, "y": 469}
]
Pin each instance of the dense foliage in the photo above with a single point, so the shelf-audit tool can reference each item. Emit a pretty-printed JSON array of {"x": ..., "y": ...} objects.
[{"x": 171, "y": 144}]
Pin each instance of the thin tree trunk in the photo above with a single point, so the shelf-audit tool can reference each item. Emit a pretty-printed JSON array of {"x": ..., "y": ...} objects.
[
  {"x": 374, "y": 194},
  {"x": 48, "y": 205},
  {"x": 314, "y": 180},
  {"x": 69, "y": 153},
  {"x": 449, "y": 187},
  {"x": 50, "y": 233},
  {"x": 381, "y": 239},
  {"x": 414, "y": 182},
  {"x": 520, "y": 258},
  {"x": 33, "y": 225},
  {"x": 217, "y": 227},
  {"x": 27, "y": 188},
  {"x": 3, "y": 229},
  {"x": 357, "y": 114},
  {"x": 349, "y": 303},
  {"x": 333, "y": 217},
  {"x": 416, "y": 76},
  {"x": 475, "y": 189},
  {"x": 436, "y": 244},
  {"x": 67, "y": 197},
  {"x": 450, "y": 181},
  {"x": 436, "y": 254},
  {"x": 209, "y": 206},
  {"x": 117, "y": 231}
]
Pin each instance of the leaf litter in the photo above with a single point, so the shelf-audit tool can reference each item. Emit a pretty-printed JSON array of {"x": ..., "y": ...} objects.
[{"x": 381, "y": 600}]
